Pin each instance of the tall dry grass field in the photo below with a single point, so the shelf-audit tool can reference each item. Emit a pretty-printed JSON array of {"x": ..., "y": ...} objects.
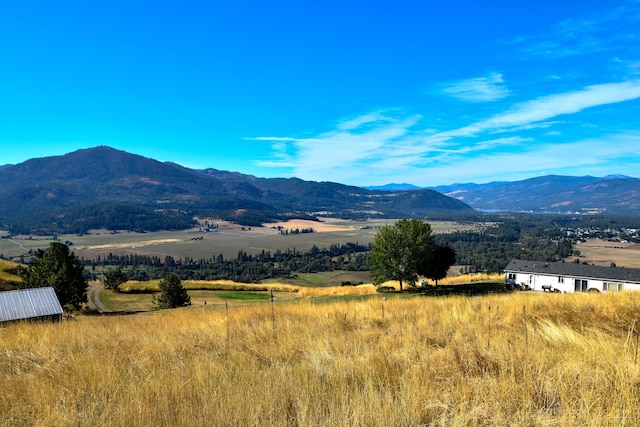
[
  {"x": 522, "y": 359},
  {"x": 8, "y": 271}
]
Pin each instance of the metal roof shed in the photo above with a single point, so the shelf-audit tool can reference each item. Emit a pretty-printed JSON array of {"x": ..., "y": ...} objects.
[{"x": 30, "y": 304}]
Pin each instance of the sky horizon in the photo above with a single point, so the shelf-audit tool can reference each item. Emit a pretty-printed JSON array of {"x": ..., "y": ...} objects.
[{"x": 360, "y": 93}]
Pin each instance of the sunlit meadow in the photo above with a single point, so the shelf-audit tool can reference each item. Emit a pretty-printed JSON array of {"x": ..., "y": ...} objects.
[{"x": 509, "y": 359}]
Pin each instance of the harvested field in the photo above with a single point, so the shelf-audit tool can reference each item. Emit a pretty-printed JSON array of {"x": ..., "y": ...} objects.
[
  {"x": 602, "y": 252},
  {"x": 318, "y": 227},
  {"x": 227, "y": 239}
]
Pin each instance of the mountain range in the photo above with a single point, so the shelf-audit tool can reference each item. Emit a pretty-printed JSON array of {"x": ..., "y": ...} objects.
[
  {"x": 103, "y": 187},
  {"x": 612, "y": 194}
]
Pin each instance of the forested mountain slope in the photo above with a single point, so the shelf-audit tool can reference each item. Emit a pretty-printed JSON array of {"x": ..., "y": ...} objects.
[
  {"x": 103, "y": 187},
  {"x": 553, "y": 194}
]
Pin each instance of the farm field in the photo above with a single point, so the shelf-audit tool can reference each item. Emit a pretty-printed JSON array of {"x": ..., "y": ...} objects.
[
  {"x": 228, "y": 240},
  {"x": 532, "y": 359},
  {"x": 138, "y": 296},
  {"x": 602, "y": 252}
]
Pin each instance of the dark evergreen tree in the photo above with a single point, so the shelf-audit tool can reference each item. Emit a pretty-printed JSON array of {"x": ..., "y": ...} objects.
[
  {"x": 59, "y": 268},
  {"x": 172, "y": 294}
]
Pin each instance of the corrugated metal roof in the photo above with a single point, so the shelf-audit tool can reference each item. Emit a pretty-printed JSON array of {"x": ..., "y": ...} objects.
[
  {"x": 28, "y": 304},
  {"x": 575, "y": 270}
]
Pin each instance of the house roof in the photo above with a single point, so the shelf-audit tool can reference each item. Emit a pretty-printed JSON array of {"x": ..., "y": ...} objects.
[
  {"x": 28, "y": 304},
  {"x": 619, "y": 274}
]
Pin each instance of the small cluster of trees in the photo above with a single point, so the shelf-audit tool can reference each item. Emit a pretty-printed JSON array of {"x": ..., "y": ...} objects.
[
  {"x": 407, "y": 250},
  {"x": 61, "y": 269},
  {"x": 172, "y": 293},
  {"x": 286, "y": 231}
]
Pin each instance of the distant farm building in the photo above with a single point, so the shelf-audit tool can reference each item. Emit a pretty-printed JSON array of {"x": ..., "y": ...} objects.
[
  {"x": 570, "y": 277},
  {"x": 30, "y": 304}
]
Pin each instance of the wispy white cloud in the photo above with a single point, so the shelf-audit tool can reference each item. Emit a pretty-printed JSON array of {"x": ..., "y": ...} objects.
[
  {"x": 357, "y": 140},
  {"x": 548, "y": 107},
  {"x": 374, "y": 148},
  {"x": 634, "y": 68},
  {"x": 480, "y": 89},
  {"x": 595, "y": 34},
  {"x": 593, "y": 156},
  {"x": 367, "y": 119}
]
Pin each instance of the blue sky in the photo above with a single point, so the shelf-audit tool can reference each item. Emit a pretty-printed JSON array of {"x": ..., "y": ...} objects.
[{"x": 357, "y": 92}]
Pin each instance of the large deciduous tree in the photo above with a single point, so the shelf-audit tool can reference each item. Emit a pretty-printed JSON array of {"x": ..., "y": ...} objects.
[
  {"x": 172, "y": 294},
  {"x": 437, "y": 266},
  {"x": 114, "y": 277},
  {"x": 59, "y": 268},
  {"x": 399, "y": 251}
]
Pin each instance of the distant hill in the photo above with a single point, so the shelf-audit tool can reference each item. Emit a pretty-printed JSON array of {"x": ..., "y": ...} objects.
[
  {"x": 106, "y": 188},
  {"x": 613, "y": 194}
]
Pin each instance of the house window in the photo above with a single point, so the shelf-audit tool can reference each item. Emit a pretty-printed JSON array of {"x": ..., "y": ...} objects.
[
  {"x": 560, "y": 279},
  {"x": 581, "y": 285},
  {"x": 612, "y": 287},
  {"x": 511, "y": 276}
]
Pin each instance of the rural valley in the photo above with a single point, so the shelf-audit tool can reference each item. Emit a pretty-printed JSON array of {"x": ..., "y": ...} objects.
[{"x": 290, "y": 304}]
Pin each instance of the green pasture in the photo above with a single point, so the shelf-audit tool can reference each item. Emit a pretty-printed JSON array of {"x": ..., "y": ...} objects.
[
  {"x": 243, "y": 296},
  {"x": 210, "y": 299}
]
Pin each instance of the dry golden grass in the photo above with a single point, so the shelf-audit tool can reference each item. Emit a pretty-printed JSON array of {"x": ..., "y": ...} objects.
[
  {"x": 521, "y": 359},
  {"x": 7, "y": 271},
  {"x": 133, "y": 286},
  {"x": 336, "y": 291},
  {"x": 471, "y": 278}
]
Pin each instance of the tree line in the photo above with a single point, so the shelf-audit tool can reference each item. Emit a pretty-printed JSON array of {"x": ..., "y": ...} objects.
[
  {"x": 245, "y": 267},
  {"x": 524, "y": 237}
]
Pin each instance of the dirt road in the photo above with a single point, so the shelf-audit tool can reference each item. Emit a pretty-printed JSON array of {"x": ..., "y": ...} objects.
[{"x": 93, "y": 298}]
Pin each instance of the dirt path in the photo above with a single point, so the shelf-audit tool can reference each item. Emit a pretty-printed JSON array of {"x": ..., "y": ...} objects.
[{"x": 93, "y": 298}]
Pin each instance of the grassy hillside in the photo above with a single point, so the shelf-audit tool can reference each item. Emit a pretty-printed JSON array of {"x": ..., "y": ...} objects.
[
  {"x": 8, "y": 275},
  {"x": 511, "y": 359}
]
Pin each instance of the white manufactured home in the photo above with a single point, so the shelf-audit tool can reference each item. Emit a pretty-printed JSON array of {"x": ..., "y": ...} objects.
[{"x": 571, "y": 277}]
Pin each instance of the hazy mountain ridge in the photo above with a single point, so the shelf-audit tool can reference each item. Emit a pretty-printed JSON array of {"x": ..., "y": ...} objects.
[
  {"x": 104, "y": 187},
  {"x": 614, "y": 194}
]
